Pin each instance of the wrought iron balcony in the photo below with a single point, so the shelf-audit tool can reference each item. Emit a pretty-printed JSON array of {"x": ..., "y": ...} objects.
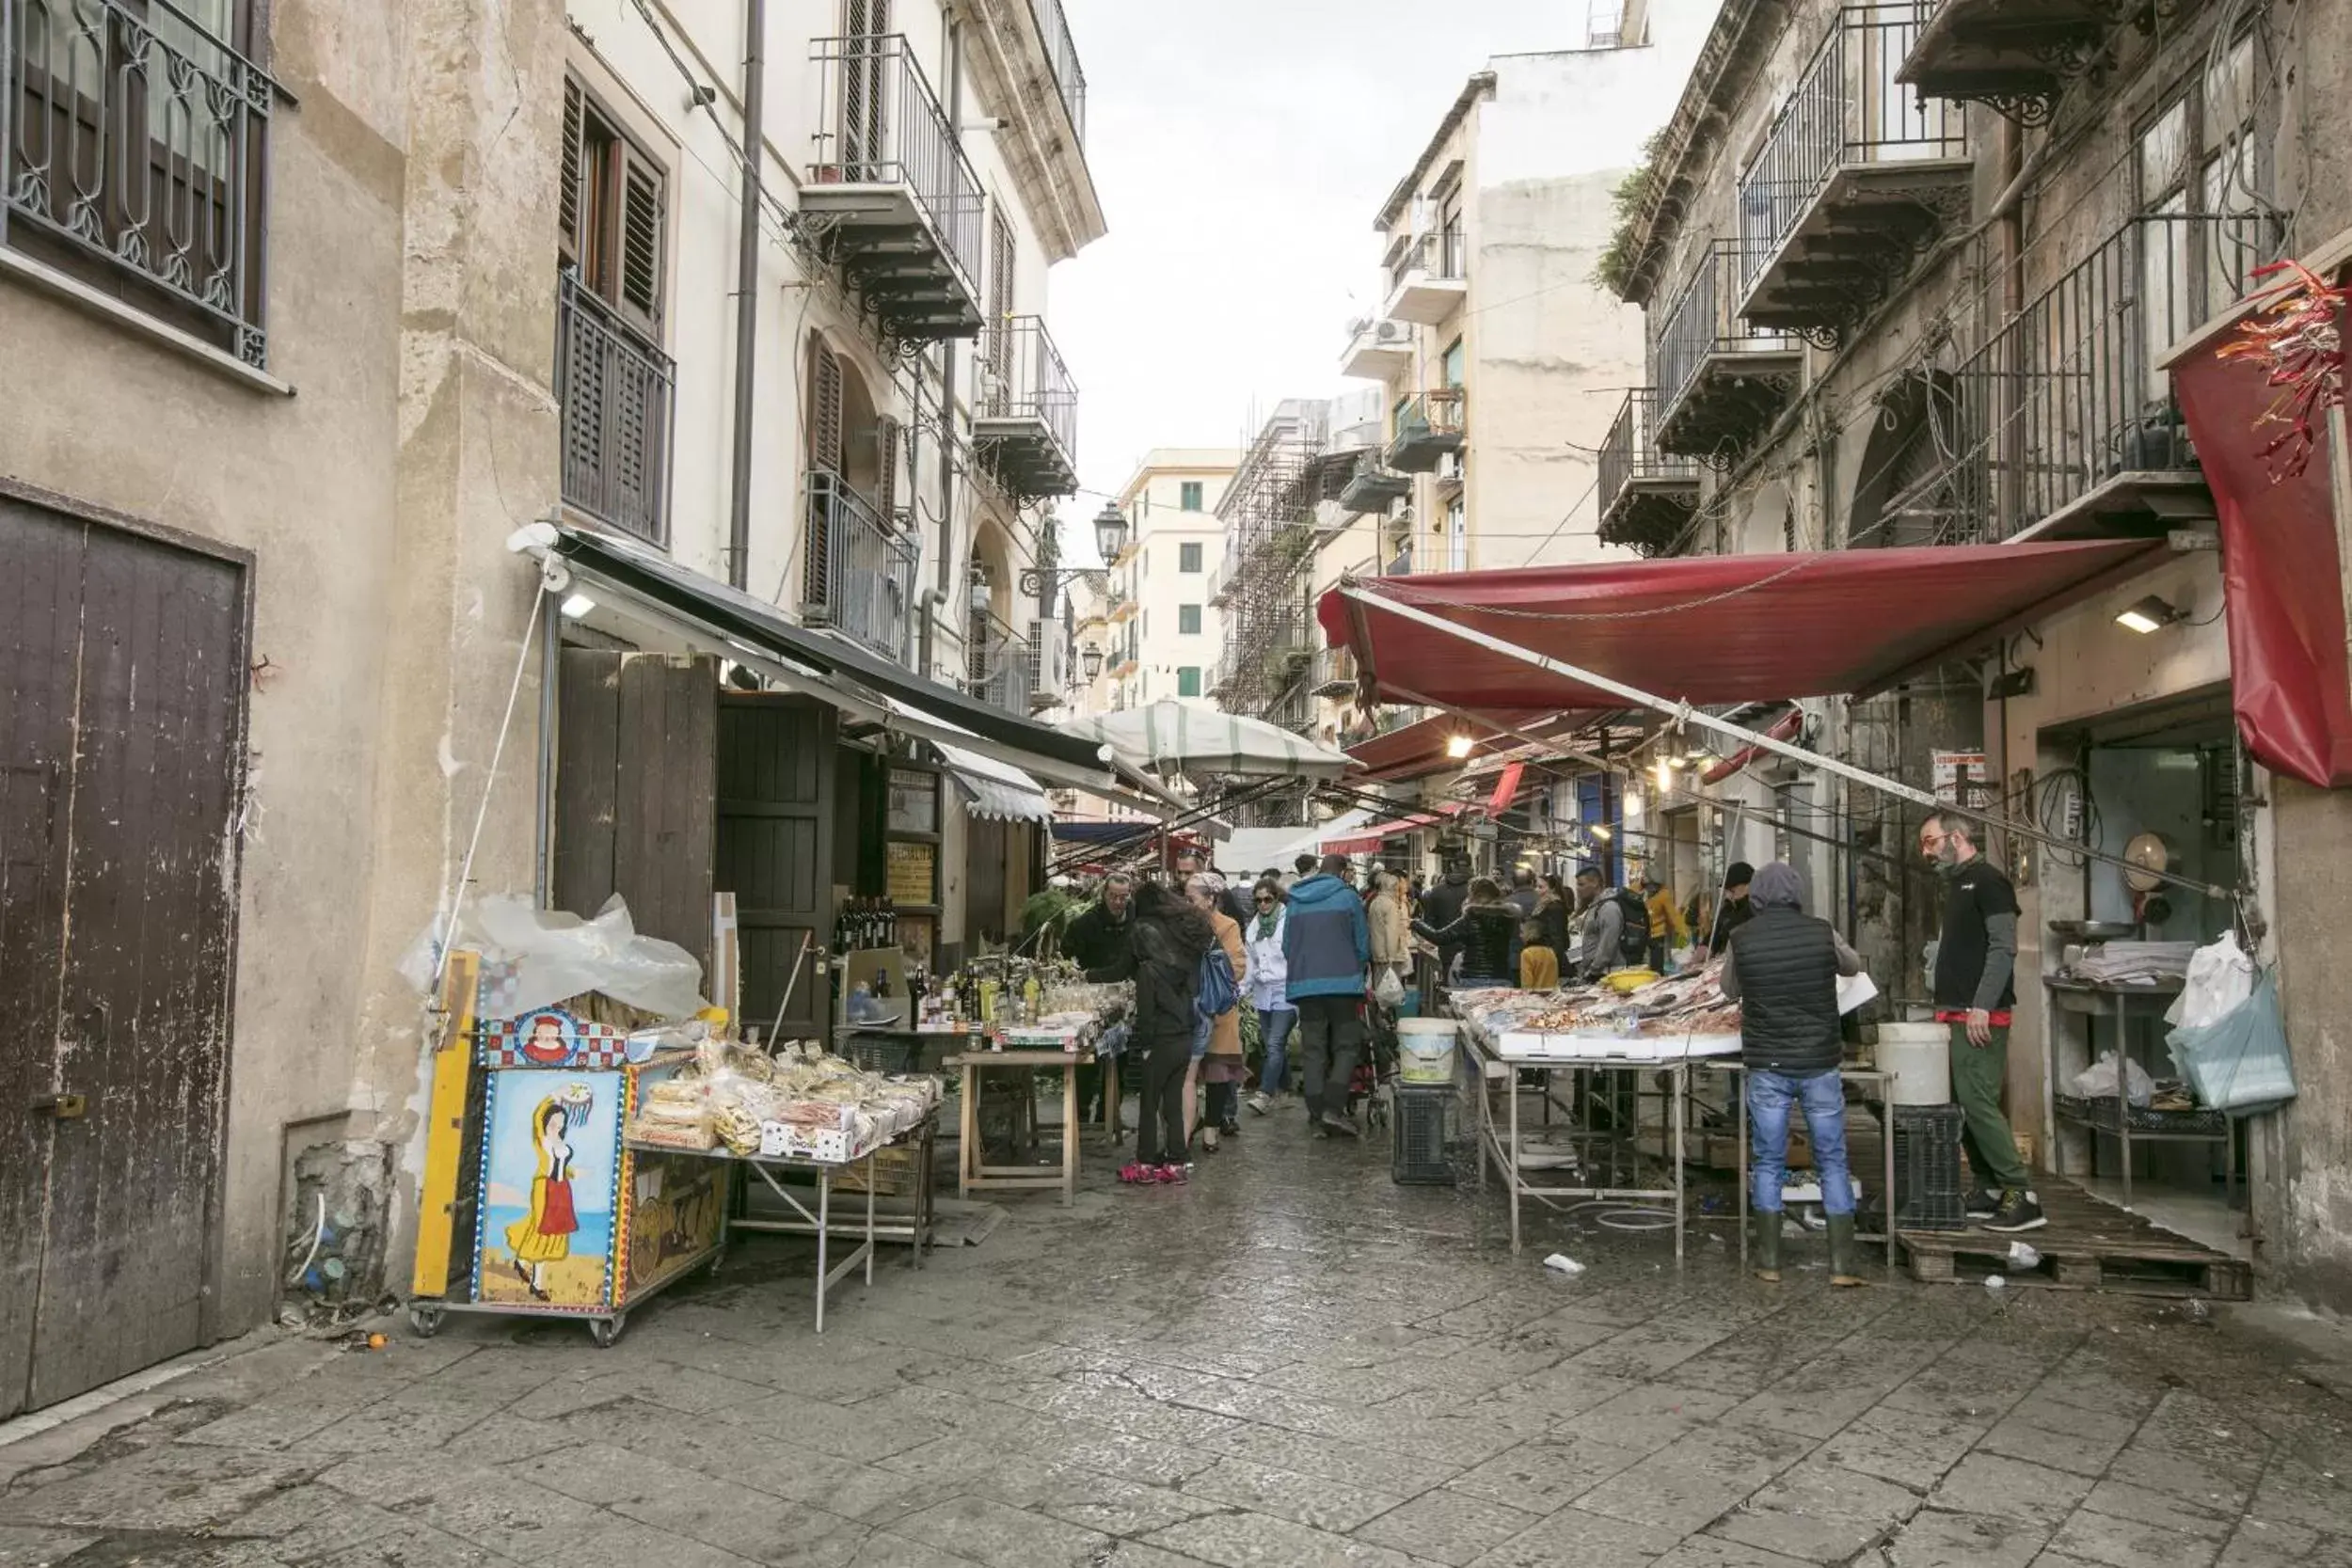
[
  {"x": 1721, "y": 381},
  {"x": 1428, "y": 277},
  {"x": 1377, "y": 348},
  {"x": 617, "y": 393},
  {"x": 1334, "y": 672},
  {"x": 1856, "y": 174},
  {"x": 857, "y": 572},
  {"x": 133, "y": 151},
  {"x": 2063, "y": 424},
  {"x": 1120, "y": 605},
  {"x": 2014, "y": 56},
  {"x": 893, "y": 202},
  {"x": 1647, "y": 496},
  {"x": 1053, "y": 27},
  {"x": 1026, "y": 426},
  {"x": 997, "y": 663},
  {"x": 1374, "y": 486},
  {"x": 1427, "y": 428}
]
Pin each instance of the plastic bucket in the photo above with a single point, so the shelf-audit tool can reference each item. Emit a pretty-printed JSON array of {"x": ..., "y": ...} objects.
[
  {"x": 1425, "y": 1050},
  {"x": 1920, "y": 1056}
]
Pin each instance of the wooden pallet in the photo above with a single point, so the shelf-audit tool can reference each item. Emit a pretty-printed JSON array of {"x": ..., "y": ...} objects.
[{"x": 2087, "y": 1245}]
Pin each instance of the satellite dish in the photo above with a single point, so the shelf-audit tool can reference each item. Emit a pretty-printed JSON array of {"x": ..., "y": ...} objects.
[{"x": 2149, "y": 857}]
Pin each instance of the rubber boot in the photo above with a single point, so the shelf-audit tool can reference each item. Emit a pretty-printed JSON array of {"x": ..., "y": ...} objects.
[
  {"x": 1845, "y": 1253},
  {"x": 1764, "y": 1245}
]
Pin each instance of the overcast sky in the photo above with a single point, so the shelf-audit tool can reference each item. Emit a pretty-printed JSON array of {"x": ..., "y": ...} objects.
[{"x": 1241, "y": 149}]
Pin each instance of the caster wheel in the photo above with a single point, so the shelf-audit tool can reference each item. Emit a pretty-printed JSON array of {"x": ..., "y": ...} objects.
[
  {"x": 604, "y": 1331},
  {"x": 424, "y": 1320}
]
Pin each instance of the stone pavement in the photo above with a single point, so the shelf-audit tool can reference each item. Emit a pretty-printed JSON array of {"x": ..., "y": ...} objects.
[{"x": 1289, "y": 1363}]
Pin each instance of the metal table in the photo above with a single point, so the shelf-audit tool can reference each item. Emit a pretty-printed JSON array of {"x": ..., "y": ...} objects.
[{"x": 818, "y": 1223}]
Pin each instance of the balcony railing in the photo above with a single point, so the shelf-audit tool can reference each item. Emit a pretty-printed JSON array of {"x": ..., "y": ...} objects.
[
  {"x": 1847, "y": 108},
  {"x": 883, "y": 126},
  {"x": 1334, "y": 672},
  {"x": 1026, "y": 421},
  {"x": 857, "y": 573},
  {"x": 133, "y": 137},
  {"x": 1643, "y": 491},
  {"x": 1069, "y": 75},
  {"x": 1428, "y": 427},
  {"x": 1703, "y": 321},
  {"x": 2067, "y": 402},
  {"x": 1440, "y": 255},
  {"x": 617, "y": 392},
  {"x": 997, "y": 663}
]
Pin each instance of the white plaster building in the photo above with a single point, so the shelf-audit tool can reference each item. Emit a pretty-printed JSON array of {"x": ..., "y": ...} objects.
[{"x": 1166, "y": 631}]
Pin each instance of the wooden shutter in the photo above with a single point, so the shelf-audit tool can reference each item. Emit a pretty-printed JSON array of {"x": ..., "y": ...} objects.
[
  {"x": 887, "y": 456},
  {"x": 641, "y": 247},
  {"x": 568, "y": 196},
  {"x": 868, "y": 18},
  {"x": 824, "y": 408}
]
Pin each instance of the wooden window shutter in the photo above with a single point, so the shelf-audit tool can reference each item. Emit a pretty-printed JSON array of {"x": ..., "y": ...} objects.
[
  {"x": 568, "y": 196},
  {"x": 887, "y": 456},
  {"x": 1000, "y": 347},
  {"x": 641, "y": 225},
  {"x": 825, "y": 408},
  {"x": 869, "y": 18}
]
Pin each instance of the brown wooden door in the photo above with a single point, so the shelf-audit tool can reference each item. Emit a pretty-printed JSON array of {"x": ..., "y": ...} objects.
[
  {"x": 120, "y": 756},
  {"x": 776, "y": 778}
]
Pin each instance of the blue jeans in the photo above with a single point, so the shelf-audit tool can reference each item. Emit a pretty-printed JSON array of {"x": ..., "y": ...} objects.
[
  {"x": 1821, "y": 1098},
  {"x": 1201, "y": 1029},
  {"x": 1274, "y": 1033}
]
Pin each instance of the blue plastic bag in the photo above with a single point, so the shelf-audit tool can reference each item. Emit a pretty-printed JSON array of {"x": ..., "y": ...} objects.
[{"x": 2239, "y": 1062}]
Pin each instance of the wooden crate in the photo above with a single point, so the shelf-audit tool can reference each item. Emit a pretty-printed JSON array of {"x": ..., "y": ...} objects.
[{"x": 2087, "y": 1245}]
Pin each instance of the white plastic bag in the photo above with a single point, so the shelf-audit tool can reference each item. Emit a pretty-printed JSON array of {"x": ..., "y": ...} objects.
[
  {"x": 2097, "y": 1081},
  {"x": 556, "y": 956},
  {"x": 2240, "y": 1062},
  {"x": 1389, "y": 990},
  {"x": 2221, "y": 976}
]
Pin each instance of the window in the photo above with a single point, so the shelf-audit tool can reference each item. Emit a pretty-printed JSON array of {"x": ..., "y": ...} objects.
[
  {"x": 2198, "y": 159},
  {"x": 134, "y": 157},
  {"x": 1188, "y": 680},
  {"x": 1146, "y": 619},
  {"x": 1189, "y": 619},
  {"x": 1456, "y": 536},
  {"x": 611, "y": 205},
  {"x": 1189, "y": 495},
  {"x": 1188, "y": 558},
  {"x": 1455, "y": 363}
]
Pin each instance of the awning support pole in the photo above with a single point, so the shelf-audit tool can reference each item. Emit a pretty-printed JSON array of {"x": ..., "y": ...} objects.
[
  {"x": 1553, "y": 747},
  {"x": 1863, "y": 776}
]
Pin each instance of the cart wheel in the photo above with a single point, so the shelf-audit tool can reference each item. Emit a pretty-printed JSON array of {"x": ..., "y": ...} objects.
[
  {"x": 424, "y": 1320},
  {"x": 604, "y": 1331}
]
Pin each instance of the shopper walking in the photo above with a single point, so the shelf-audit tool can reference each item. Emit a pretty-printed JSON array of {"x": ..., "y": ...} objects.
[
  {"x": 1666, "y": 929},
  {"x": 1783, "y": 970},
  {"x": 1166, "y": 940},
  {"x": 1616, "y": 929},
  {"x": 1269, "y": 992},
  {"x": 1486, "y": 936},
  {"x": 1216, "y": 1056},
  {"x": 1327, "y": 948},
  {"x": 1975, "y": 990},
  {"x": 1391, "y": 926}
]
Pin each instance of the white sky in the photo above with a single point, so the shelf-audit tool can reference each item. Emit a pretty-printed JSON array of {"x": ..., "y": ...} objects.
[{"x": 1241, "y": 149}]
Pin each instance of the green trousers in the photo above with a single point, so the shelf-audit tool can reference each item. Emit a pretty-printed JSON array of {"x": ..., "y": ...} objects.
[{"x": 1978, "y": 1073}]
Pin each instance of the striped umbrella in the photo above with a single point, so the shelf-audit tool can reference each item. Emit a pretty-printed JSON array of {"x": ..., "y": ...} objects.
[{"x": 1169, "y": 737}]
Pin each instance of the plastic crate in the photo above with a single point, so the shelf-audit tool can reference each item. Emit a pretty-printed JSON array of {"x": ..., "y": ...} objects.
[
  {"x": 1416, "y": 1138},
  {"x": 1929, "y": 1171},
  {"x": 882, "y": 1054}
]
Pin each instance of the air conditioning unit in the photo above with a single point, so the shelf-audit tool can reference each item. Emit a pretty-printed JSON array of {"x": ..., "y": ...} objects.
[
  {"x": 1450, "y": 469},
  {"x": 1390, "y": 334}
]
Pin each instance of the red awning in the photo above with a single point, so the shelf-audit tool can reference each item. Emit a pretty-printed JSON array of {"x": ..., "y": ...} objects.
[
  {"x": 1735, "y": 628},
  {"x": 1506, "y": 788},
  {"x": 2281, "y": 575},
  {"x": 1419, "y": 748},
  {"x": 1367, "y": 841}
]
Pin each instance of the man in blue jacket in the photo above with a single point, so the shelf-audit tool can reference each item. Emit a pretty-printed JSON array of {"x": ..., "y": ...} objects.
[{"x": 1328, "y": 945}]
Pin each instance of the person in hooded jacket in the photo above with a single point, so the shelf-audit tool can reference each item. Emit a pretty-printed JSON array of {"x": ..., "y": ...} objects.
[
  {"x": 1782, "y": 967},
  {"x": 1327, "y": 948},
  {"x": 1166, "y": 940},
  {"x": 1487, "y": 935}
]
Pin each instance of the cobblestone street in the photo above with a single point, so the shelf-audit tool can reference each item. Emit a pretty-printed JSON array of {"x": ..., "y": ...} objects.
[{"x": 1289, "y": 1363}]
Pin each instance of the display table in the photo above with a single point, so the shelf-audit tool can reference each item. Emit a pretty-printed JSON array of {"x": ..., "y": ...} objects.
[
  {"x": 2114, "y": 1117},
  {"x": 973, "y": 1174}
]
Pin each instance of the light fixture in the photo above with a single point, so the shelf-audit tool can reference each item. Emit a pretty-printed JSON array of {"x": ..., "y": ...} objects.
[
  {"x": 1458, "y": 746},
  {"x": 1600, "y": 831},
  {"x": 1110, "y": 531},
  {"x": 1665, "y": 776},
  {"x": 2150, "y": 615},
  {"x": 1091, "y": 660},
  {"x": 577, "y": 606}
]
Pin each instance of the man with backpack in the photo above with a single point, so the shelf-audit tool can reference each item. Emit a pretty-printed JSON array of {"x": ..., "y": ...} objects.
[
  {"x": 1616, "y": 933},
  {"x": 1326, "y": 947}
]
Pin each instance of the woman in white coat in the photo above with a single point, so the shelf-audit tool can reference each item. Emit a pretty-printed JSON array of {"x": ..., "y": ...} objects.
[{"x": 1269, "y": 980}]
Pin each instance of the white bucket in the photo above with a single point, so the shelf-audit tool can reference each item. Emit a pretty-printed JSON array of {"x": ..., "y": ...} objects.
[
  {"x": 1425, "y": 1050},
  {"x": 1920, "y": 1056}
]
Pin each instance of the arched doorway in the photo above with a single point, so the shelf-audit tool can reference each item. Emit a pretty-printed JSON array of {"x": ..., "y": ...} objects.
[{"x": 1913, "y": 486}]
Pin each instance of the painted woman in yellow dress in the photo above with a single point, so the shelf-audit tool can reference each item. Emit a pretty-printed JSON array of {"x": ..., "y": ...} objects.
[{"x": 545, "y": 1235}]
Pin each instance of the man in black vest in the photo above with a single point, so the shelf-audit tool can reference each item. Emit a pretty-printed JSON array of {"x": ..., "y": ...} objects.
[{"x": 1782, "y": 968}]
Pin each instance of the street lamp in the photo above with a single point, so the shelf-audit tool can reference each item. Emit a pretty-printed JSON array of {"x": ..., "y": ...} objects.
[
  {"x": 1110, "y": 537},
  {"x": 1110, "y": 531},
  {"x": 1091, "y": 660}
]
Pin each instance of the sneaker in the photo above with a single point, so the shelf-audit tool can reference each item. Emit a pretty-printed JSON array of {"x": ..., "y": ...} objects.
[
  {"x": 1983, "y": 1203},
  {"x": 2019, "y": 1211},
  {"x": 1140, "y": 1175},
  {"x": 1172, "y": 1176},
  {"x": 1231, "y": 1129},
  {"x": 1261, "y": 1102},
  {"x": 1338, "y": 1126}
]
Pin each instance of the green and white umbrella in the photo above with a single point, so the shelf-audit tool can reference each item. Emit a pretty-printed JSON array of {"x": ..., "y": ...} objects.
[{"x": 1169, "y": 737}]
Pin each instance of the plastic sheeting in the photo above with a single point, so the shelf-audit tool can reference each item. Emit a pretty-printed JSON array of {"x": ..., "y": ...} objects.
[{"x": 554, "y": 956}]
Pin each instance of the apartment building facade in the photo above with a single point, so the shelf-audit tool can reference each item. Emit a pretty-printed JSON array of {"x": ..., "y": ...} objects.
[
  {"x": 388, "y": 518},
  {"x": 1913, "y": 274},
  {"x": 1500, "y": 355},
  {"x": 1165, "y": 629}
]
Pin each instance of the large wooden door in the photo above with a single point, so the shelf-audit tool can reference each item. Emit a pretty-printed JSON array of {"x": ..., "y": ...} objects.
[
  {"x": 123, "y": 662},
  {"x": 776, "y": 778}
]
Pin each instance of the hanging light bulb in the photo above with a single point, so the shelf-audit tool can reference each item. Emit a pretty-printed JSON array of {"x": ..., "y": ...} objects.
[{"x": 1665, "y": 776}]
